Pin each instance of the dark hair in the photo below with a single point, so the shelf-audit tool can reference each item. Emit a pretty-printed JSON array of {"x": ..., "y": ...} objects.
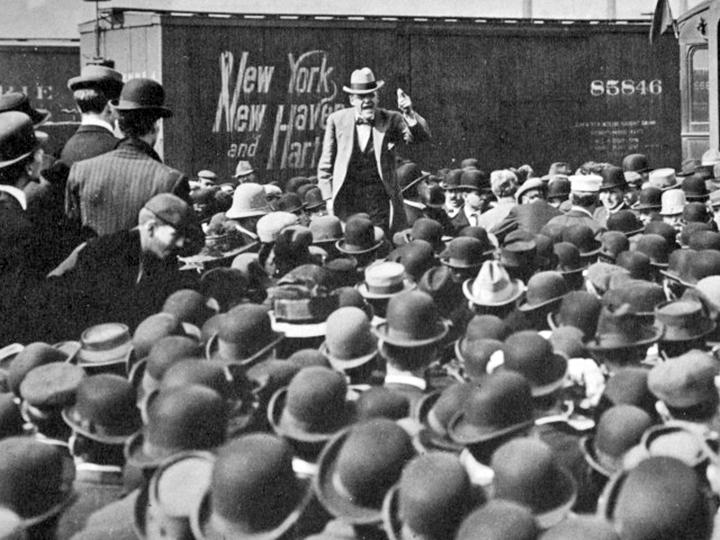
[
  {"x": 10, "y": 174},
  {"x": 90, "y": 100},
  {"x": 135, "y": 124},
  {"x": 409, "y": 358},
  {"x": 585, "y": 200}
]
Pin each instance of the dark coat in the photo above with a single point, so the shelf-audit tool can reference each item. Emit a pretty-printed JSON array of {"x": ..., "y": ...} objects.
[
  {"x": 528, "y": 217},
  {"x": 459, "y": 221},
  {"x": 389, "y": 130},
  {"x": 87, "y": 142},
  {"x": 105, "y": 193}
]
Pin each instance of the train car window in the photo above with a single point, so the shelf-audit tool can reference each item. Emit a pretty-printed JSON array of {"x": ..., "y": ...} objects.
[{"x": 699, "y": 89}]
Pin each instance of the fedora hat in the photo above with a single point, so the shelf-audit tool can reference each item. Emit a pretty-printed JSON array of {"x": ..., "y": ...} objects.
[
  {"x": 104, "y": 409},
  {"x": 492, "y": 286},
  {"x": 579, "y": 309},
  {"x": 142, "y": 95},
  {"x": 466, "y": 252},
  {"x": 19, "y": 102},
  {"x": 33, "y": 355},
  {"x": 660, "y": 498},
  {"x": 349, "y": 341},
  {"x": 362, "y": 81},
  {"x": 434, "y": 411},
  {"x": 663, "y": 179},
  {"x": 104, "y": 78},
  {"x": 358, "y": 467},
  {"x": 531, "y": 355},
  {"x": 249, "y": 200},
  {"x": 683, "y": 320},
  {"x": 361, "y": 236},
  {"x": 183, "y": 418},
  {"x": 612, "y": 178},
  {"x": 36, "y": 479},
  {"x": 685, "y": 381},
  {"x": 243, "y": 168},
  {"x": 412, "y": 320},
  {"x": 642, "y": 296},
  {"x": 499, "y": 519},
  {"x": 17, "y": 137},
  {"x": 384, "y": 279},
  {"x": 626, "y": 222},
  {"x": 619, "y": 429},
  {"x": 312, "y": 408},
  {"x": 245, "y": 335},
  {"x": 543, "y": 289},
  {"x": 253, "y": 493},
  {"x": 500, "y": 407},
  {"x": 620, "y": 329},
  {"x": 431, "y": 499},
  {"x": 527, "y": 472}
]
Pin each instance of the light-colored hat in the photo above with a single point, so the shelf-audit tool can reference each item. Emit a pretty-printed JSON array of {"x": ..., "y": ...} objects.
[
  {"x": 529, "y": 185},
  {"x": 207, "y": 175},
  {"x": 362, "y": 81},
  {"x": 492, "y": 286},
  {"x": 501, "y": 179},
  {"x": 673, "y": 202},
  {"x": 663, "y": 179},
  {"x": 710, "y": 157},
  {"x": 589, "y": 183},
  {"x": 104, "y": 344},
  {"x": 243, "y": 168},
  {"x": 249, "y": 200},
  {"x": 270, "y": 225},
  {"x": 384, "y": 279}
]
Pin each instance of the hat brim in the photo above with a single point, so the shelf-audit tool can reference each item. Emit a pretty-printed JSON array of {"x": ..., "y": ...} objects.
[
  {"x": 439, "y": 332},
  {"x": 108, "y": 86},
  {"x": 587, "y": 446},
  {"x": 68, "y": 416},
  {"x": 518, "y": 290},
  {"x": 297, "y": 330},
  {"x": 462, "y": 432},
  {"x": 526, "y": 307},
  {"x": 9, "y": 162},
  {"x": 245, "y": 213},
  {"x": 136, "y": 456},
  {"x": 362, "y": 288},
  {"x": 284, "y": 427},
  {"x": 706, "y": 327},
  {"x": 419, "y": 179},
  {"x": 123, "y": 106},
  {"x": 342, "y": 364},
  {"x": 342, "y": 246},
  {"x": 211, "y": 352},
  {"x": 359, "y": 92},
  {"x": 427, "y": 439},
  {"x": 599, "y": 343}
]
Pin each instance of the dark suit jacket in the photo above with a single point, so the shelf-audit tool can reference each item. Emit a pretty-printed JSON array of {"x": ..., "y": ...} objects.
[
  {"x": 529, "y": 217},
  {"x": 105, "y": 193},
  {"x": 389, "y": 130},
  {"x": 87, "y": 142},
  {"x": 460, "y": 221}
]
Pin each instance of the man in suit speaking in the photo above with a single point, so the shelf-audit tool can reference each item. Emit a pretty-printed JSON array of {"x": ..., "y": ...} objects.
[{"x": 356, "y": 171}]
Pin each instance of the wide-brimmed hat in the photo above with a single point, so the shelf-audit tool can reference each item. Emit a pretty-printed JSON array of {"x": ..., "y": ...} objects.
[
  {"x": 492, "y": 286},
  {"x": 543, "y": 289},
  {"x": 191, "y": 417},
  {"x": 253, "y": 493},
  {"x": 249, "y": 200},
  {"x": 500, "y": 407},
  {"x": 18, "y": 102},
  {"x": 359, "y": 466},
  {"x": 412, "y": 320},
  {"x": 384, "y": 279},
  {"x": 362, "y": 81},
  {"x": 104, "y": 409},
  {"x": 626, "y": 222},
  {"x": 142, "y": 95},
  {"x": 612, "y": 178},
  {"x": 466, "y": 252},
  {"x": 245, "y": 335},
  {"x": 17, "y": 138},
  {"x": 663, "y": 179},
  {"x": 528, "y": 472},
  {"x": 531, "y": 355},
  {"x": 431, "y": 499},
  {"x": 361, "y": 236},
  {"x": 434, "y": 411},
  {"x": 622, "y": 329},
  {"x": 683, "y": 320},
  {"x": 349, "y": 341},
  {"x": 312, "y": 408},
  {"x": 108, "y": 80}
]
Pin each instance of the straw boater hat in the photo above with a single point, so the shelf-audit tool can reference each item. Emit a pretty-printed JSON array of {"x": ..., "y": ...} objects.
[{"x": 362, "y": 81}]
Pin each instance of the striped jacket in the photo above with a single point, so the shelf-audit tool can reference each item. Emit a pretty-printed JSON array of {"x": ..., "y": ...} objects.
[{"x": 105, "y": 193}]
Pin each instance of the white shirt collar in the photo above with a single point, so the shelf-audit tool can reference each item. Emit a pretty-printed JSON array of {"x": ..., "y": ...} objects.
[
  {"x": 581, "y": 209},
  {"x": 403, "y": 377},
  {"x": 18, "y": 194},
  {"x": 93, "y": 121}
]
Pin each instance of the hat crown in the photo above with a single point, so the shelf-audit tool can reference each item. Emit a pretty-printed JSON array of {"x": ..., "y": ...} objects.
[
  {"x": 106, "y": 403},
  {"x": 249, "y": 200},
  {"x": 360, "y": 233},
  {"x": 51, "y": 385},
  {"x": 625, "y": 221},
  {"x": 243, "y": 168},
  {"x": 348, "y": 334},
  {"x": 582, "y": 237},
  {"x": 503, "y": 401},
  {"x": 614, "y": 242},
  {"x": 382, "y": 402},
  {"x": 612, "y": 177},
  {"x": 545, "y": 286},
  {"x": 362, "y": 81},
  {"x": 169, "y": 350},
  {"x": 486, "y": 327},
  {"x": 673, "y": 202},
  {"x": 499, "y": 519},
  {"x": 580, "y": 309},
  {"x": 587, "y": 183},
  {"x": 315, "y": 396},
  {"x": 410, "y": 314},
  {"x": 450, "y": 402},
  {"x": 466, "y": 250},
  {"x": 620, "y": 428},
  {"x": 635, "y": 163},
  {"x": 384, "y": 274},
  {"x": 33, "y": 355},
  {"x": 210, "y": 374},
  {"x": 142, "y": 93},
  {"x": 17, "y": 136},
  {"x": 568, "y": 256},
  {"x": 492, "y": 278},
  {"x": 247, "y": 329},
  {"x": 532, "y": 356},
  {"x": 326, "y": 228},
  {"x": 654, "y": 246},
  {"x": 476, "y": 354},
  {"x": 188, "y": 306},
  {"x": 662, "y": 178}
]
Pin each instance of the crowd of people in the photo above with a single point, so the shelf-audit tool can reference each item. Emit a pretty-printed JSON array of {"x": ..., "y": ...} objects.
[{"x": 375, "y": 352}]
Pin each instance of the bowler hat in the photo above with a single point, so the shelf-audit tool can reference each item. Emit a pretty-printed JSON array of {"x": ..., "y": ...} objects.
[
  {"x": 683, "y": 320},
  {"x": 439, "y": 283},
  {"x": 612, "y": 178},
  {"x": 18, "y": 102},
  {"x": 466, "y": 252},
  {"x": 326, "y": 229},
  {"x": 166, "y": 352},
  {"x": 519, "y": 255},
  {"x": 106, "y": 79},
  {"x": 620, "y": 329},
  {"x": 626, "y": 222},
  {"x": 579, "y": 309},
  {"x": 477, "y": 356},
  {"x": 142, "y": 95},
  {"x": 569, "y": 260},
  {"x": 694, "y": 188},
  {"x": 663, "y": 179},
  {"x": 500, "y": 407},
  {"x": 245, "y": 334},
  {"x": 104, "y": 409},
  {"x": 583, "y": 238},
  {"x": 642, "y": 296},
  {"x": 416, "y": 257},
  {"x": 362, "y": 81},
  {"x": 431, "y": 499},
  {"x": 189, "y": 306},
  {"x": 665, "y": 230},
  {"x": 17, "y": 138},
  {"x": 660, "y": 498},
  {"x": 492, "y": 286},
  {"x": 685, "y": 381},
  {"x": 359, "y": 466},
  {"x": 412, "y": 320},
  {"x": 527, "y": 471},
  {"x": 619, "y": 429},
  {"x": 703, "y": 239},
  {"x": 451, "y": 181},
  {"x": 532, "y": 356},
  {"x": 655, "y": 247},
  {"x": 361, "y": 236},
  {"x": 486, "y": 327},
  {"x": 33, "y": 355},
  {"x": 636, "y": 163},
  {"x": 408, "y": 175},
  {"x": 153, "y": 328},
  {"x": 636, "y": 263},
  {"x": 431, "y": 195},
  {"x": 349, "y": 341},
  {"x": 697, "y": 265},
  {"x": 288, "y": 202},
  {"x": 499, "y": 519},
  {"x": 613, "y": 243},
  {"x": 434, "y": 411},
  {"x": 253, "y": 493},
  {"x": 191, "y": 417},
  {"x": 529, "y": 185},
  {"x": 543, "y": 289},
  {"x": 629, "y": 385},
  {"x": 249, "y": 200},
  {"x": 384, "y": 279},
  {"x": 696, "y": 212},
  {"x": 171, "y": 209},
  {"x": 474, "y": 179},
  {"x": 51, "y": 386},
  {"x": 313, "y": 199},
  {"x": 649, "y": 198},
  {"x": 36, "y": 479},
  {"x": 313, "y": 407},
  {"x": 558, "y": 188}
]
